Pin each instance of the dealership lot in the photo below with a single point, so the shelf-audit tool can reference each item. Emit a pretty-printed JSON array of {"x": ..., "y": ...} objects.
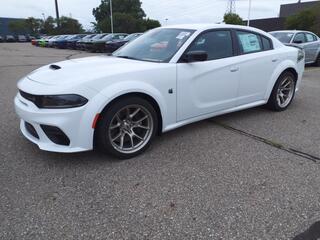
[{"x": 247, "y": 175}]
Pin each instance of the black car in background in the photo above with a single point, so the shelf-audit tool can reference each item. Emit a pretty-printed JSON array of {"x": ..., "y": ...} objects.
[
  {"x": 112, "y": 46},
  {"x": 80, "y": 44},
  {"x": 1, "y": 39},
  {"x": 72, "y": 42},
  {"x": 88, "y": 44},
  {"x": 100, "y": 44}
]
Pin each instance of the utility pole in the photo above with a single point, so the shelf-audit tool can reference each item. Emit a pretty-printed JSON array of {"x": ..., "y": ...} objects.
[
  {"x": 111, "y": 16},
  {"x": 249, "y": 13},
  {"x": 57, "y": 13},
  {"x": 231, "y": 8}
]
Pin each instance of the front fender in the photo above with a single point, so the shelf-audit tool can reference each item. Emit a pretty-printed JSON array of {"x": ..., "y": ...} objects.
[{"x": 104, "y": 97}]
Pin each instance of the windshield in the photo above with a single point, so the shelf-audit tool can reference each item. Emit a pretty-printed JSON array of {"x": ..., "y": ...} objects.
[
  {"x": 284, "y": 37},
  {"x": 158, "y": 45}
]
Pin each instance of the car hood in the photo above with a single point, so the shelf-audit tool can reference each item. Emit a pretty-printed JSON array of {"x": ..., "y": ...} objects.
[{"x": 78, "y": 71}]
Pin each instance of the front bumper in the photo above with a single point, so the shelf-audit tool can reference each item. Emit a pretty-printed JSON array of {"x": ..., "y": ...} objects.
[{"x": 67, "y": 120}]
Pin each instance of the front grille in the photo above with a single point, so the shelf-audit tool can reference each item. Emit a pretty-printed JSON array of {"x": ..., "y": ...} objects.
[
  {"x": 56, "y": 135},
  {"x": 31, "y": 130}
]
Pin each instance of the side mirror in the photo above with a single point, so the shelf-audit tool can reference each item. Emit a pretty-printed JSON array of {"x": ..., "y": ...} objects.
[
  {"x": 297, "y": 41},
  {"x": 195, "y": 56}
]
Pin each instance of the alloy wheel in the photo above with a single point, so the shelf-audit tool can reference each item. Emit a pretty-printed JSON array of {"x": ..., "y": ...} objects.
[
  {"x": 285, "y": 92},
  {"x": 131, "y": 129}
]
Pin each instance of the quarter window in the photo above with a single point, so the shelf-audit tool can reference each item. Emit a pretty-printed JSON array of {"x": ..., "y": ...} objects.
[
  {"x": 217, "y": 44},
  {"x": 266, "y": 43},
  {"x": 310, "y": 37},
  {"x": 249, "y": 42}
]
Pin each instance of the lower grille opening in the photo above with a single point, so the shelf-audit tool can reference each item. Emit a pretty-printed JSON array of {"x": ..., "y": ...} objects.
[
  {"x": 31, "y": 130},
  {"x": 56, "y": 135}
]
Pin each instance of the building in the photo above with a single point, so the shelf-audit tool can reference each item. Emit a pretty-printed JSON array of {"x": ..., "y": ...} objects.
[
  {"x": 5, "y": 29},
  {"x": 286, "y": 10}
]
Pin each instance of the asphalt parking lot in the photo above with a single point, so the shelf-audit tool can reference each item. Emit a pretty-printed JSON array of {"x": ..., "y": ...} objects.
[{"x": 247, "y": 175}]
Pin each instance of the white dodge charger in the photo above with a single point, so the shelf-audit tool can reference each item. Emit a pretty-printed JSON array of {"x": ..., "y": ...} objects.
[{"x": 167, "y": 78}]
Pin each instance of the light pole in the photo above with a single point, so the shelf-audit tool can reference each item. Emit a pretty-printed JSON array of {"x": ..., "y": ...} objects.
[
  {"x": 57, "y": 12},
  {"x": 249, "y": 13},
  {"x": 44, "y": 17},
  {"x": 111, "y": 17}
]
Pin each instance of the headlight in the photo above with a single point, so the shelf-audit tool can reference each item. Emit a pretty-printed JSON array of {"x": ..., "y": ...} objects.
[
  {"x": 61, "y": 101},
  {"x": 55, "y": 101},
  {"x": 300, "y": 55}
]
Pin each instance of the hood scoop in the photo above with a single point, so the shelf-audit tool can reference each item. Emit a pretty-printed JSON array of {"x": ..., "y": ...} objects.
[{"x": 54, "y": 67}]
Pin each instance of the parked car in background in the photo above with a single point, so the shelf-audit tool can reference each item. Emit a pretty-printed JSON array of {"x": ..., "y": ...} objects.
[
  {"x": 100, "y": 44},
  {"x": 72, "y": 42},
  {"x": 167, "y": 78},
  {"x": 42, "y": 42},
  {"x": 61, "y": 42},
  {"x": 1, "y": 39},
  {"x": 22, "y": 38},
  {"x": 308, "y": 41},
  {"x": 51, "y": 41},
  {"x": 10, "y": 38},
  {"x": 88, "y": 43},
  {"x": 81, "y": 43},
  {"x": 112, "y": 46}
]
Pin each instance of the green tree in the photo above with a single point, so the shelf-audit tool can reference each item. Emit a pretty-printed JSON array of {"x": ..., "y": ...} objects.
[
  {"x": 34, "y": 25},
  {"x": 18, "y": 26},
  {"x": 232, "y": 18},
  {"x": 308, "y": 20},
  {"x": 69, "y": 26},
  {"x": 49, "y": 26},
  {"x": 128, "y": 16}
]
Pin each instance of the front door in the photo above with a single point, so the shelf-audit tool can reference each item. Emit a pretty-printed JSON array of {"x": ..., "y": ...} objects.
[{"x": 209, "y": 86}]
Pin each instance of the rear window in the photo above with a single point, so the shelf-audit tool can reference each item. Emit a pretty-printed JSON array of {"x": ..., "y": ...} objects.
[
  {"x": 284, "y": 37},
  {"x": 249, "y": 42}
]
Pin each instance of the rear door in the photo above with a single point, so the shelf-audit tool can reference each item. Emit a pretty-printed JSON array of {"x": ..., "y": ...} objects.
[
  {"x": 311, "y": 47},
  {"x": 257, "y": 61}
]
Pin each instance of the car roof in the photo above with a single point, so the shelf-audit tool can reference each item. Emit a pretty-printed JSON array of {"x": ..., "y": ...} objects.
[{"x": 203, "y": 27}]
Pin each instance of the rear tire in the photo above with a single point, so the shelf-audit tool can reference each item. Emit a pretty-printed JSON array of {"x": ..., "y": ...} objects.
[
  {"x": 283, "y": 92},
  {"x": 127, "y": 127}
]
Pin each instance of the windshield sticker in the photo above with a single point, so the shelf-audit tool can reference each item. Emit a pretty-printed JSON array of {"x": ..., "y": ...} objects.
[
  {"x": 182, "y": 35},
  {"x": 249, "y": 42}
]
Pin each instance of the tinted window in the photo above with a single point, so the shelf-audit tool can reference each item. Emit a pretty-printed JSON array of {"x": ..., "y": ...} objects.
[
  {"x": 249, "y": 42},
  {"x": 217, "y": 44},
  {"x": 310, "y": 37},
  {"x": 266, "y": 43},
  {"x": 299, "y": 38}
]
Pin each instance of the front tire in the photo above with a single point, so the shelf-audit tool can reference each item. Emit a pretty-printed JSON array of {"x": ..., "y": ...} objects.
[
  {"x": 127, "y": 127},
  {"x": 317, "y": 63},
  {"x": 283, "y": 92}
]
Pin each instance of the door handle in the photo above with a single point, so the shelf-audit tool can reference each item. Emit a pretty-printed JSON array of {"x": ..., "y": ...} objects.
[
  {"x": 234, "y": 69},
  {"x": 275, "y": 60}
]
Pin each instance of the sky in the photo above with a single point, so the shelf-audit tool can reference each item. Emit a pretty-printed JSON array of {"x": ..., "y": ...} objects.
[{"x": 168, "y": 12}]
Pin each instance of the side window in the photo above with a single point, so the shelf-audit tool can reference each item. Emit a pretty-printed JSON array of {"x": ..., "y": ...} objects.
[
  {"x": 249, "y": 42},
  {"x": 310, "y": 37},
  {"x": 299, "y": 38},
  {"x": 217, "y": 44},
  {"x": 266, "y": 43}
]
